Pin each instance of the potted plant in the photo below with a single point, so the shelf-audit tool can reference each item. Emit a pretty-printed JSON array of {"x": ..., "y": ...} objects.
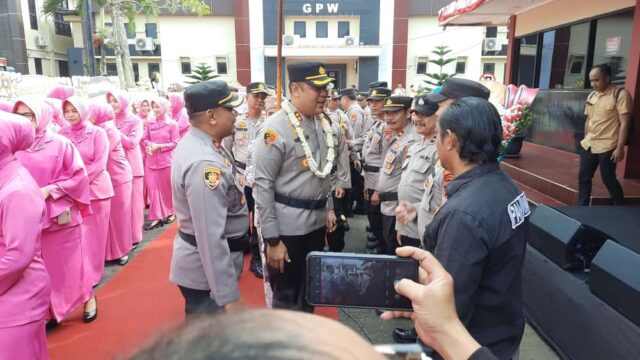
[{"x": 515, "y": 122}]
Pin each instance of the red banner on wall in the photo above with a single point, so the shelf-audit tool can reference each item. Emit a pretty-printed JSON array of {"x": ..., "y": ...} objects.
[{"x": 458, "y": 7}]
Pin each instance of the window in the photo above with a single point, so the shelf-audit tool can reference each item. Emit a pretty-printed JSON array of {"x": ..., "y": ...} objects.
[
  {"x": 153, "y": 68},
  {"x": 526, "y": 60},
  {"x": 112, "y": 69},
  {"x": 562, "y": 57},
  {"x": 421, "y": 66},
  {"x": 131, "y": 33},
  {"x": 343, "y": 29},
  {"x": 38, "y": 65},
  {"x": 185, "y": 64},
  {"x": 461, "y": 66},
  {"x": 62, "y": 27},
  {"x": 489, "y": 68},
  {"x": 322, "y": 29},
  {"x": 151, "y": 30},
  {"x": 492, "y": 32},
  {"x": 136, "y": 72},
  {"x": 63, "y": 68},
  {"x": 221, "y": 65},
  {"x": 300, "y": 28},
  {"x": 576, "y": 64},
  {"x": 613, "y": 40},
  {"x": 33, "y": 14}
]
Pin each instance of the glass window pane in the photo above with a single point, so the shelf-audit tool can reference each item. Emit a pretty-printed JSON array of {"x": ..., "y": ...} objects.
[
  {"x": 300, "y": 28},
  {"x": 562, "y": 63},
  {"x": 221, "y": 64},
  {"x": 461, "y": 66},
  {"x": 489, "y": 68},
  {"x": 613, "y": 39},
  {"x": 63, "y": 68},
  {"x": 151, "y": 30},
  {"x": 343, "y": 29},
  {"x": 526, "y": 65},
  {"x": 322, "y": 29},
  {"x": 38, "y": 65}
]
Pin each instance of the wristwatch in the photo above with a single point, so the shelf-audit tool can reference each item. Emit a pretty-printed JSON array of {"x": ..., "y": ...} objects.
[{"x": 274, "y": 241}]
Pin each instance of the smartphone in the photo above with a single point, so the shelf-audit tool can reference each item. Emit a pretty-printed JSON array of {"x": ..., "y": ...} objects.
[{"x": 358, "y": 280}]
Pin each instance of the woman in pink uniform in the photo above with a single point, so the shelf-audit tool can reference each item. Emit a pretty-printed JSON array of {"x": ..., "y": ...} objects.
[
  {"x": 120, "y": 235},
  {"x": 178, "y": 113},
  {"x": 145, "y": 114},
  {"x": 130, "y": 128},
  {"x": 57, "y": 168},
  {"x": 24, "y": 282},
  {"x": 93, "y": 146},
  {"x": 159, "y": 140}
]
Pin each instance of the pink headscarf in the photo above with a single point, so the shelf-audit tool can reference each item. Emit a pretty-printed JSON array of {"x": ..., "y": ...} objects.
[
  {"x": 177, "y": 104},
  {"x": 149, "y": 114},
  {"x": 16, "y": 134},
  {"x": 43, "y": 115},
  {"x": 6, "y": 105},
  {"x": 101, "y": 112},
  {"x": 61, "y": 92},
  {"x": 83, "y": 110},
  {"x": 58, "y": 115},
  {"x": 123, "y": 99},
  {"x": 164, "y": 105}
]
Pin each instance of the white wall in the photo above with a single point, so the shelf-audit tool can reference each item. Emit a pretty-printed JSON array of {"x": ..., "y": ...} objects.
[{"x": 425, "y": 35}]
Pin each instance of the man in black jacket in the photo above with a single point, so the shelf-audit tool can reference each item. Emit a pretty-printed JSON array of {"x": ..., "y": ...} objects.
[{"x": 479, "y": 234}]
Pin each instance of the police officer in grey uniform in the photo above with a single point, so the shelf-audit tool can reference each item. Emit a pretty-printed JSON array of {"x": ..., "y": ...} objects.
[
  {"x": 292, "y": 182},
  {"x": 417, "y": 169},
  {"x": 247, "y": 127},
  {"x": 396, "y": 143},
  {"x": 209, "y": 202},
  {"x": 356, "y": 117},
  {"x": 372, "y": 160},
  {"x": 364, "y": 104}
]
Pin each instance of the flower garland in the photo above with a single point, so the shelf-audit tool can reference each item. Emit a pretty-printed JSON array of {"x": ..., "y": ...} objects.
[{"x": 296, "y": 119}]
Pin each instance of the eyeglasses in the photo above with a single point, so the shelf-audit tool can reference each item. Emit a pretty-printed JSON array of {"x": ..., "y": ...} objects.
[{"x": 28, "y": 115}]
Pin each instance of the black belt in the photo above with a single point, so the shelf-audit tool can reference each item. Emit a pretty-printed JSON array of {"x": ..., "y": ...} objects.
[
  {"x": 300, "y": 203},
  {"x": 235, "y": 244},
  {"x": 241, "y": 165},
  {"x": 371, "y": 168},
  {"x": 388, "y": 196}
]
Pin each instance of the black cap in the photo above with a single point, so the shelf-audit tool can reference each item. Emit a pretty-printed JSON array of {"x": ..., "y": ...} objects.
[
  {"x": 362, "y": 95},
  {"x": 379, "y": 93},
  {"x": 209, "y": 95},
  {"x": 313, "y": 73},
  {"x": 395, "y": 103},
  {"x": 257, "y": 88},
  {"x": 455, "y": 88},
  {"x": 378, "y": 84},
  {"x": 351, "y": 93},
  {"x": 424, "y": 106}
]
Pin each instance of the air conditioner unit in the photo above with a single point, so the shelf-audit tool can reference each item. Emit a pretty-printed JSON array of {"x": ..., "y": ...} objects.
[
  {"x": 288, "y": 40},
  {"x": 41, "y": 41},
  {"x": 145, "y": 44},
  {"x": 491, "y": 44},
  {"x": 350, "y": 41}
]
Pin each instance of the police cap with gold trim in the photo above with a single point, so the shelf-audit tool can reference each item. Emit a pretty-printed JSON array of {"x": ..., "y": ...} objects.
[
  {"x": 210, "y": 94},
  {"x": 379, "y": 93},
  {"x": 349, "y": 92},
  {"x": 257, "y": 88},
  {"x": 395, "y": 103},
  {"x": 312, "y": 73}
]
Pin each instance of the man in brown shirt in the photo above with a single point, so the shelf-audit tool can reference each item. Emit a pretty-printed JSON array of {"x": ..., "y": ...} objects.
[{"x": 608, "y": 111}]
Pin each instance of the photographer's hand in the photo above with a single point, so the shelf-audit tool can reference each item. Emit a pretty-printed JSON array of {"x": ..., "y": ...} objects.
[{"x": 434, "y": 310}]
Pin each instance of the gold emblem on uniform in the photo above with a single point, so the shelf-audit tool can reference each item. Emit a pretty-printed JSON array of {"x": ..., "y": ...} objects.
[
  {"x": 374, "y": 92},
  {"x": 395, "y": 146},
  {"x": 240, "y": 180},
  {"x": 321, "y": 70},
  {"x": 212, "y": 177},
  {"x": 389, "y": 101},
  {"x": 226, "y": 162},
  {"x": 270, "y": 137},
  {"x": 261, "y": 86},
  {"x": 305, "y": 163},
  {"x": 242, "y": 124}
]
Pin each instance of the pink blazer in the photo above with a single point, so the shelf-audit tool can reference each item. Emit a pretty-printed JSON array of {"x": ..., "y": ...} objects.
[
  {"x": 164, "y": 133},
  {"x": 118, "y": 165}
]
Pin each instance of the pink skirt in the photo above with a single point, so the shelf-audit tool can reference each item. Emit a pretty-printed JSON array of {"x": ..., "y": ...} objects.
[
  {"x": 63, "y": 254},
  {"x": 159, "y": 191},
  {"x": 119, "y": 241},
  {"x": 95, "y": 230},
  {"x": 27, "y": 341},
  {"x": 137, "y": 208}
]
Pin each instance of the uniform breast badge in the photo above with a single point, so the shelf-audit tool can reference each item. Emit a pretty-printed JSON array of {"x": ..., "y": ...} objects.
[
  {"x": 226, "y": 162},
  {"x": 270, "y": 137},
  {"x": 212, "y": 177}
]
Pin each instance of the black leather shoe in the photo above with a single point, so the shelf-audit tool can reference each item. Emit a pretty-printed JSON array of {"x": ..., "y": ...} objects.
[
  {"x": 371, "y": 245},
  {"x": 405, "y": 336},
  {"x": 123, "y": 260},
  {"x": 155, "y": 225},
  {"x": 345, "y": 226},
  {"x": 92, "y": 315},
  {"x": 256, "y": 268},
  {"x": 169, "y": 219}
]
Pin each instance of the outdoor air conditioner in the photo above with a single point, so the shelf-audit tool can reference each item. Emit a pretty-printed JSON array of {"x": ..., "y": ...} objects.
[
  {"x": 145, "y": 44},
  {"x": 41, "y": 41},
  {"x": 350, "y": 41},
  {"x": 491, "y": 44},
  {"x": 288, "y": 40}
]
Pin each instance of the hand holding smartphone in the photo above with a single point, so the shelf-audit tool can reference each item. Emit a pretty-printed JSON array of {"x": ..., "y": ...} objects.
[{"x": 358, "y": 280}]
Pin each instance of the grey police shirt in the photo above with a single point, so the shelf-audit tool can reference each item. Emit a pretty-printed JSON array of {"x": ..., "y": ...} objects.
[
  {"x": 209, "y": 204},
  {"x": 432, "y": 198},
  {"x": 246, "y": 131},
  {"x": 341, "y": 176},
  {"x": 372, "y": 154},
  {"x": 281, "y": 167},
  {"x": 416, "y": 169}
]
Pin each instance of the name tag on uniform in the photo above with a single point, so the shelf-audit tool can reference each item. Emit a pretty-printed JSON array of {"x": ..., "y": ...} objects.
[
  {"x": 388, "y": 162},
  {"x": 518, "y": 210}
]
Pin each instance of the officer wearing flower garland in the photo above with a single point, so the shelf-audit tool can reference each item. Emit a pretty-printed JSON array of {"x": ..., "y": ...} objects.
[{"x": 294, "y": 156}]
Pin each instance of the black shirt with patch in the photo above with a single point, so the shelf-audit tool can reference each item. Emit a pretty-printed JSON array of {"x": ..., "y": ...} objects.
[{"x": 479, "y": 236}]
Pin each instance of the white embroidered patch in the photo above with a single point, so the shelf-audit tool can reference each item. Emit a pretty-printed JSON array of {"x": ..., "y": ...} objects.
[{"x": 518, "y": 210}]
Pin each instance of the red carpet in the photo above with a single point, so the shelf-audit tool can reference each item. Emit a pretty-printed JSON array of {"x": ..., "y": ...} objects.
[{"x": 136, "y": 305}]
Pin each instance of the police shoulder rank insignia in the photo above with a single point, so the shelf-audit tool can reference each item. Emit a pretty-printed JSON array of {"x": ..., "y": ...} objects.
[
  {"x": 212, "y": 176},
  {"x": 270, "y": 137}
]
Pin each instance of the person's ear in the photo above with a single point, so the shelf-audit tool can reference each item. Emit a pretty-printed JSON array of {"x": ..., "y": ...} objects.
[
  {"x": 211, "y": 116},
  {"x": 450, "y": 140}
]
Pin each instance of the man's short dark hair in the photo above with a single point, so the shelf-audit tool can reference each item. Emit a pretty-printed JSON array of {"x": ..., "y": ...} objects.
[
  {"x": 477, "y": 125},
  {"x": 605, "y": 69}
]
